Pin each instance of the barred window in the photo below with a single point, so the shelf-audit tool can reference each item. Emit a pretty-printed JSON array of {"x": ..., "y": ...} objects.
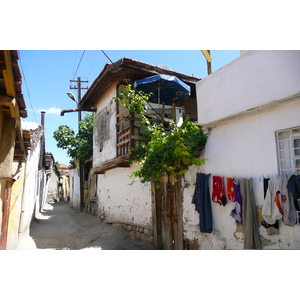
[{"x": 288, "y": 149}]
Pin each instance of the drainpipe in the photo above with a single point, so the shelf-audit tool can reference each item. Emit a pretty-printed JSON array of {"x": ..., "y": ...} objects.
[
  {"x": 76, "y": 109},
  {"x": 42, "y": 140}
]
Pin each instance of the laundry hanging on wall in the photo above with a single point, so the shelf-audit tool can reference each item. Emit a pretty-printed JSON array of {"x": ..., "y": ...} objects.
[
  {"x": 236, "y": 211},
  {"x": 271, "y": 228},
  {"x": 218, "y": 193},
  {"x": 280, "y": 200},
  {"x": 293, "y": 186},
  {"x": 278, "y": 204},
  {"x": 250, "y": 226},
  {"x": 230, "y": 189},
  {"x": 272, "y": 209},
  {"x": 202, "y": 202}
]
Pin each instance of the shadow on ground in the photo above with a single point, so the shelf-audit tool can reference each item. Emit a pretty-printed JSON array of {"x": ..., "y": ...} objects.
[{"x": 61, "y": 227}]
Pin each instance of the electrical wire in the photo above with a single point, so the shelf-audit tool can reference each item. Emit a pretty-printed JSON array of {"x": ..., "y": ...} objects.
[
  {"x": 92, "y": 63},
  {"x": 126, "y": 79},
  {"x": 26, "y": 86},
  {"x": 74, "y": 63},
  {"x": 79, "y": 63}
]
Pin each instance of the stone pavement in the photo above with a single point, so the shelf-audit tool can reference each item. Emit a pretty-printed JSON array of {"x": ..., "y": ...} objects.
[{"x": 61, "y": 227}]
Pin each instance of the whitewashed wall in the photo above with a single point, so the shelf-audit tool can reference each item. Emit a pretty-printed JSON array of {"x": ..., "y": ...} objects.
[
  {"x": 245, "y": 147},
  {"x": 74, "y": 188},
  {"x": 31, "y": 193},
  {"x": 52, "y": 194},
  {"x": 253, "y": 79},
  {"x": 29, "y": 205},
  {"x": 109, "y": 145},
  {"x": 119, "y": 201}
]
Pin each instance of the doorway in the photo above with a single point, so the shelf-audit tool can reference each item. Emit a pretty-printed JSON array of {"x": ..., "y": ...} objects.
[{"x": 167, "y": 214}]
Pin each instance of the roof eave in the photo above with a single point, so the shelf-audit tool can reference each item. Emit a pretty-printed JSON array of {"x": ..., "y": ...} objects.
[{"x": 114, "y": 73}]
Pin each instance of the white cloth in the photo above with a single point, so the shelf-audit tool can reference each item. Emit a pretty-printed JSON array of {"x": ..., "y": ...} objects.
[{"x": 270, "y": 210}]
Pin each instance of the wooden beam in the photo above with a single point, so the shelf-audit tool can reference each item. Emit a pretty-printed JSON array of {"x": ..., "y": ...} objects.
[
  {"x": 12, "y": 103},
  {"x": 206, "y": 54},
  {"x": 121, "y": 113},
  {"x": 123, "y": 143},
  {"x": 11, "y": 92},
  {"x": 9, "y": 75},
  {"x": 5, "y": 216},
  {"x": 15, "y": 64},
  {"x": 123, "y": 135},
  {"x": 122, "y": 121},
  {"x": 122, "y": 130},
  {"x": 121, "y": 161},
  {"x": 14, "y": 112}
]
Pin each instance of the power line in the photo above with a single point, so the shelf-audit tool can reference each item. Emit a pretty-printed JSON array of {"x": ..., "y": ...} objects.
[
  {"x": 114, "y": 65},
  {"x": 79, "y": 64},
  {"x": 26, "y": 86},
  {"x": 92, "y": 63},
  {"x": 74, "y": 63}
]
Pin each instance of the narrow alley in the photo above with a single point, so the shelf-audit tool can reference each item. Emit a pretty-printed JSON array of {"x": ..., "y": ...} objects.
[{"x": 61, "y": 227}]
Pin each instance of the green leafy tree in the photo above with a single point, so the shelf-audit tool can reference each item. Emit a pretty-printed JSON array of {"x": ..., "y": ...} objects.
[
  {"x": 166, "y": 151},
  {"x": 79, "y": 145}
]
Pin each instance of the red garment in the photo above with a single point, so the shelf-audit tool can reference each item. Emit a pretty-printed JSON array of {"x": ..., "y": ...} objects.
[
  {"x": 218, "y": 194},
  {"x": 230, "y": 189},
  {"x": 277, "y": 201}
]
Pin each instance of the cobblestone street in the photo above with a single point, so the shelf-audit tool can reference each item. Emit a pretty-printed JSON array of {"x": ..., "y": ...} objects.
[{"x": 61, "y": 227}]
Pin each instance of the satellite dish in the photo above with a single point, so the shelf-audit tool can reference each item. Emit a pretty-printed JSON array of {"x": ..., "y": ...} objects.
[{"x": 164, "y": 67}]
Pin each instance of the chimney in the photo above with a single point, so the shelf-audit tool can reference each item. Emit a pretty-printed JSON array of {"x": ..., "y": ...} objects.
[{"x": 43, "y": 119}]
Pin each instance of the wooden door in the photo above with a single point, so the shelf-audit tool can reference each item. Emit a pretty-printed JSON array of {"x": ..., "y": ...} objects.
[{"x": 167, "y": 215}]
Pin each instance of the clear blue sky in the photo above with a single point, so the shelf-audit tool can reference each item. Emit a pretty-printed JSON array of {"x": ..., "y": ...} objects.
[{"x": 47, "y": 74}]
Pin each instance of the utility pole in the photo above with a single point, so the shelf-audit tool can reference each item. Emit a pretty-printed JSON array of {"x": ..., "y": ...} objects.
[
  {"x": 79, "y": 88},
  {"x": 81, "y": 165}
]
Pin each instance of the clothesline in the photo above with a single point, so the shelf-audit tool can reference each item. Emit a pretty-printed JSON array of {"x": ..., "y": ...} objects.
[
  {"x": 254, "y": 178},
  {"x": 244, "y": 206},
  {"x": 278, "y": 203}
]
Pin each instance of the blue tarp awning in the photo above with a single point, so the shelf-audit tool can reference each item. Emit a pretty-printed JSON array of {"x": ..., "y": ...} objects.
[{"x": 165, "y": 88}]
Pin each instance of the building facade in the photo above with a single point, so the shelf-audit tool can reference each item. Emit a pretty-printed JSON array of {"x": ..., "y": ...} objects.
[
  {"x": 250, "y": 111},
  {"x": 116, "y": 200}
]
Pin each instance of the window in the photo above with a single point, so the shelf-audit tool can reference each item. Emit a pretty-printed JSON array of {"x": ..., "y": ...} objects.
[
  {"x": 101, "y": 123},
  {"x": 288, "y": 148}
]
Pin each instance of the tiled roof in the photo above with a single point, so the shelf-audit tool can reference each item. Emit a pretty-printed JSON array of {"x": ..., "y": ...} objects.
[{"x": 132, "y": 70}]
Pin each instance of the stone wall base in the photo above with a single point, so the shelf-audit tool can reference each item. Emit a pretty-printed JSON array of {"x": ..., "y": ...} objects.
[{"x": 138, "y": 232}]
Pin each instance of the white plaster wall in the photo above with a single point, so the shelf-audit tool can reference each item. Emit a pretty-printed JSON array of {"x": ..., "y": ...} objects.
[
  {"x": 118, "y": 201},
  {"x": 52, "y": 193},
  {"x": 253, "y": 79},
  {"x": 74, "y": 188},
  {"x": 31, "y": 188},
  {"x": 243, "y": 149},
  {"x": 109, "y": 145}
]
